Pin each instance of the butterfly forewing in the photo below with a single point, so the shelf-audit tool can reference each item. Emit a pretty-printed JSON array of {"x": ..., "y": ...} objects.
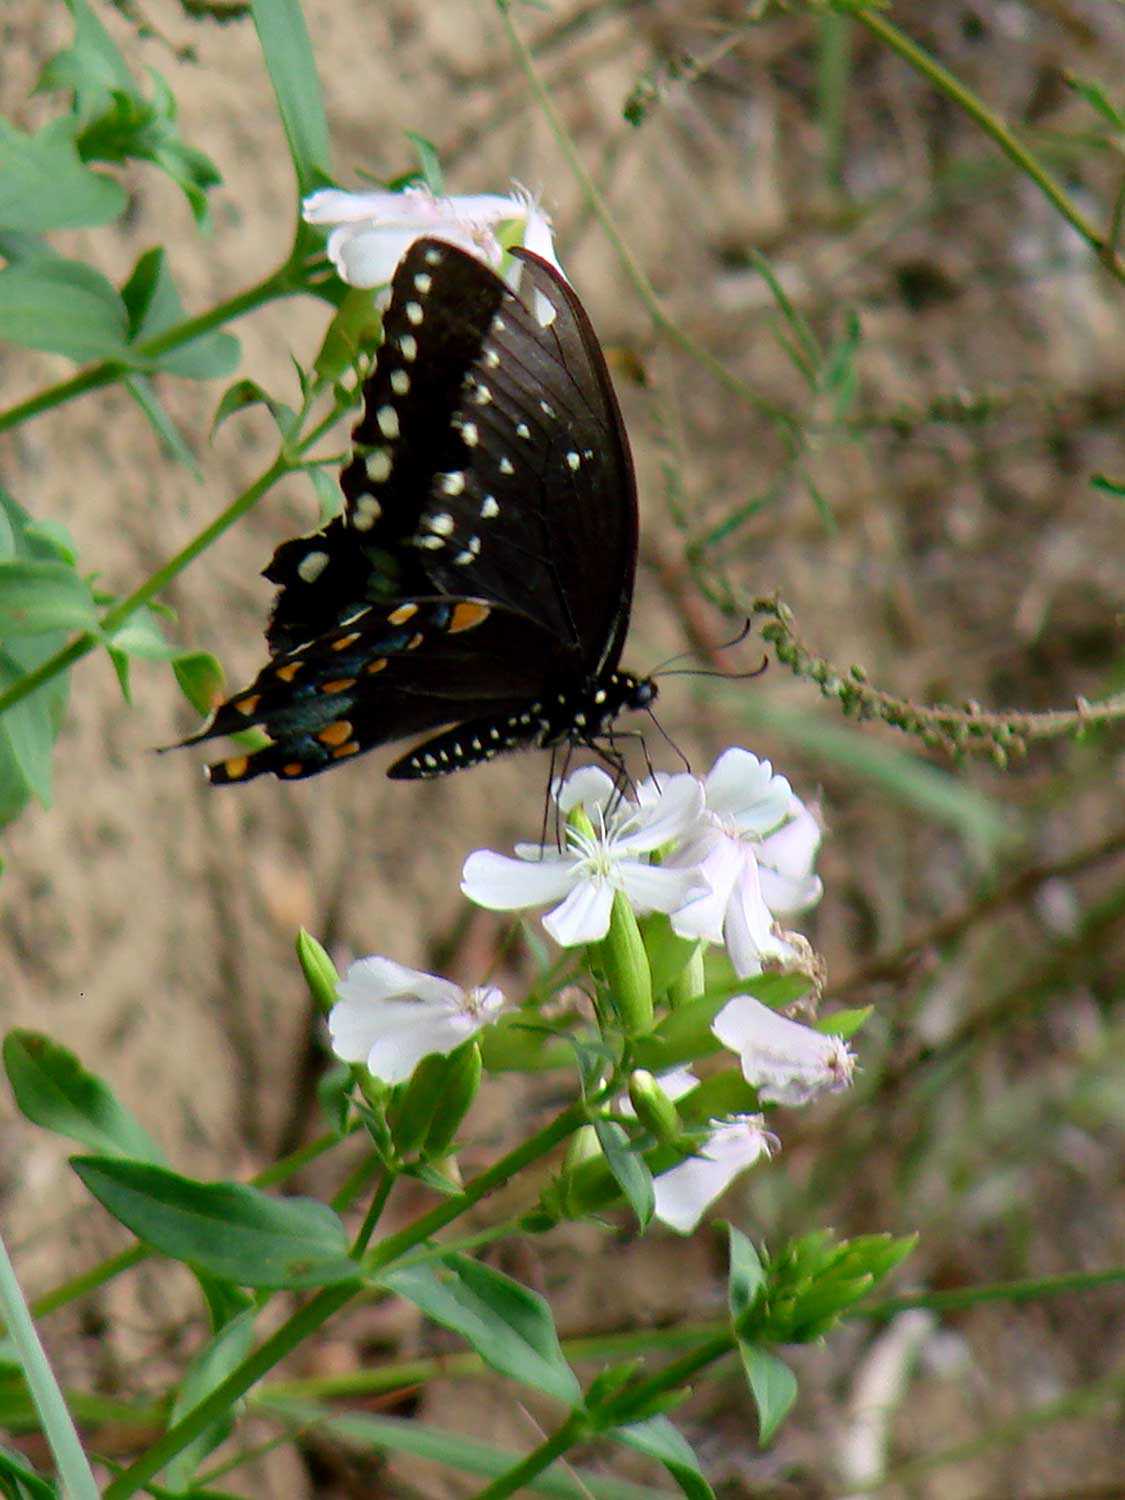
[{"x": 484, "y": 562}]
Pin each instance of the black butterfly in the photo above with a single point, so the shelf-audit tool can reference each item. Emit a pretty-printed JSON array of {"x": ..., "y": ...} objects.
[{"x": 481, "y": 575}]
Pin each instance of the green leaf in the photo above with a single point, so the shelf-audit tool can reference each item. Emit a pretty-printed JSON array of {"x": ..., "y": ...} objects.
[
  {"x": 91, "y": 67},
  {"x": 628, "y": 1168},
  {"x": 285, "y": 44},
  {"x": 42, "y": 596},
  {"x": 428, "y": 161},
  {"x": 772, "y": 1385},
  {"x": 208, "y": 1369},
  {"x": 64, "y": 307},
  {"x": 747, "y": 1276},
  {"x": 330, "y": 498},
  {"x": 20, "y": 1481},
  {"x": 140, "y": 388},
  {"x": 1108, "y": 486},
  {"x": 201, "y": 679},
  {"x": 659, "y": 1439},
  {"x": 235, "y": 1232},
  {"x": 355, "y": 329},
  {"x": 54, "y": 1090},
  {"x": 44, "y": 185},
  {"x": 153, "y": 306},
  {"x": 510, "y": 1327},
  {"x": 843, "y": 1023},
  {"x": 1097, "y": 98},
  {"x": 246, "y": 393}
]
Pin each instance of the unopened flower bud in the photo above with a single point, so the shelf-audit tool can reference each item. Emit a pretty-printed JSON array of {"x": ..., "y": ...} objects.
[
  {"x": 622, "y": 959},
  {"x": 462, "y": 1080},
  {"x": 318, "y": 969},
  {"x": 653, "y": 1107}
]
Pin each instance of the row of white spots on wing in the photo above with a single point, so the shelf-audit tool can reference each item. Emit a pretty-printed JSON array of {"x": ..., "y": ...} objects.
[
  {"x": 479, "y": 393},
  {"x": 491, "y": 359},
  {"x": 311, "y": 566},
  {"x": 574, "y": 460},
  {"x": 452, "y": 484},
  {"x": 400, "y": 382},
  {"x": 547, "y": 409},
  {"x": 414, "y": 314},
  {"x": 523, "y": 431},
  {"x": 470, "y": 552},
  {"x": 434, "y": 257},
  {"x": 489, "y": 507},
  {"x": 387, "y": 419},
  {"x": 423, "y": 282},
  {"x": 469, "y": 434},
  {"x": 506, "y": 465},
  {"x": 440, "y": 525},
  {"x": 408, "y": 347}
]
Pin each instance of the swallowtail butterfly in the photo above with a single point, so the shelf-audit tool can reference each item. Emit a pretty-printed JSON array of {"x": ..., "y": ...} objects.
[{"x": 480, "y": 579}]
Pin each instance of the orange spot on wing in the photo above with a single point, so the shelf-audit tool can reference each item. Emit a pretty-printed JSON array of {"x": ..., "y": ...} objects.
[
  {"x": 248, "y": 705},
  {"x": 335, "y": 734},
  {"x": 375, "y": 666},
  {"x": 403, "y": 613},
  {"x": 466, "y": 615},
  {"x": 339, "y": 685},
  {"x": 351, "y": 748},
  {"x": 345, "y": 641},
  {"x": 236, "y": 767},
  {"x": 289, "y": 670},
  {"x": 415, "y": 641},
  {"x": 294, "y": 768}
]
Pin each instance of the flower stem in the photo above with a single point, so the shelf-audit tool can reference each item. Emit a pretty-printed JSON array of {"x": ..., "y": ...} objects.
[
  {"x": 374, "y": 1213},
  {"x": 572, "y": 1431},
  {"x": 991, "y": 123},
  {"x": 315, "y": 1313},
  {"x": 278, "y": 284}
]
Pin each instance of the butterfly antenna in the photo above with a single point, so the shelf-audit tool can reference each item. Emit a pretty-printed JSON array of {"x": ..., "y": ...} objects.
[{"x": 663, "y": 670}]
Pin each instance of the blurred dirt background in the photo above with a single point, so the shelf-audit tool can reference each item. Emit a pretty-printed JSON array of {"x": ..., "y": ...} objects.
[{"x": 946, "y": 536}]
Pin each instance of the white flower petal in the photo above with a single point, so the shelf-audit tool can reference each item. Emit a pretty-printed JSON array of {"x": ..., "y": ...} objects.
[
  {"x": 686, "y": 1191},
  {"x": 720, "y": 864},
  {"x": 674, "y": 815},
  {"x": 786, "y": 858},
  {"x": 748, "y": 925},
  {"x": 376, "y": 978},
  {"x": 584, "y": 916},
  {"x": 786, "y": 1062},
  {"x": 589, "y": 787},
  {"x": 656, "y": 888},
  {"x": 502, "y": 884},
  {"x": 743, "y": 789}
]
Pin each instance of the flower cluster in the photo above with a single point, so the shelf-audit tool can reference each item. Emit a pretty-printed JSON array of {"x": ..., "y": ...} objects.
[
  {"x": 737, "y": 853},
  {"x": 725, "y": 860}
]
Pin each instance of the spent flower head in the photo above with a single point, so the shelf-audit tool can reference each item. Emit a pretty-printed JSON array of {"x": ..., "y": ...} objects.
[
  {"x": 390, "y": 1017},
  {"x": 786, "y": 1062}
]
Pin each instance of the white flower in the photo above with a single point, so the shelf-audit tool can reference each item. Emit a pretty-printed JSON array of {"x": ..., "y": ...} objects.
[
  {"x": 786, "y": 1062},
  {"x": 391, "y": 1017},
  {"x": 371, "y": 232},
  {"x": 686, "y": 1191},
  {"x": 756, "y": 852},
  {"x": 584, "y": 876}
]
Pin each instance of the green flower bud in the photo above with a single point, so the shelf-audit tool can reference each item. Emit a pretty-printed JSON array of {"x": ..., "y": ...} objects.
[
  {"x": 655, "y": 1110},
  {"x": 462, "y": 1080},
  {"x": 622, "y": 959},
  {"x": 413, "y": 1112},
  {"x": 318, "y": 969}
]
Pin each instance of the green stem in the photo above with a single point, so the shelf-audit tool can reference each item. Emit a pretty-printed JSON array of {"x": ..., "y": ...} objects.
[
  {"x": 572, "y": 1431},
  {"x": 992, "y": 125},
  {"x": 326, "y": 1303},
  {"x": 374, "y": 1213},
  {"x": 279, "y": 283},
  {"x": 1029, "y": 1290}
]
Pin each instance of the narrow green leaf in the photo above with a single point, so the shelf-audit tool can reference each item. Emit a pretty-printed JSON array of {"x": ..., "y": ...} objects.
[
  {"x": 54, "y": 1090},
  {"x": 628, "y": 1168},
  {"x": 44, "y": 185},
  {"x": 772, "y": 1385},
  {"x": 658, "y": 1438},
  {"x": 245, "y": 393},
  {"x": 64, "y": 307},
  {"x": 28, "y": 730},
  {"x": 40, "y": 596},
  {"x": 843, "y": 1023},
  {"x": 289, "y": 60},
  {"x": 22, "y": 1481},
  {"x": 140, "y": 388},
  {"x": 510, "y": 1327},
  {"x": 747, "y": 1276},
  {"x": 207, "y": 1369},
  {"x": 1108, "y": 486},
  {"x": 463, "y": 1455},
  {"x": 153, "y": 306},
  {"x": 428, "y": 160},
  {"x": 235, "y": 1232},
  {"x": 1097, "y": 98}
]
